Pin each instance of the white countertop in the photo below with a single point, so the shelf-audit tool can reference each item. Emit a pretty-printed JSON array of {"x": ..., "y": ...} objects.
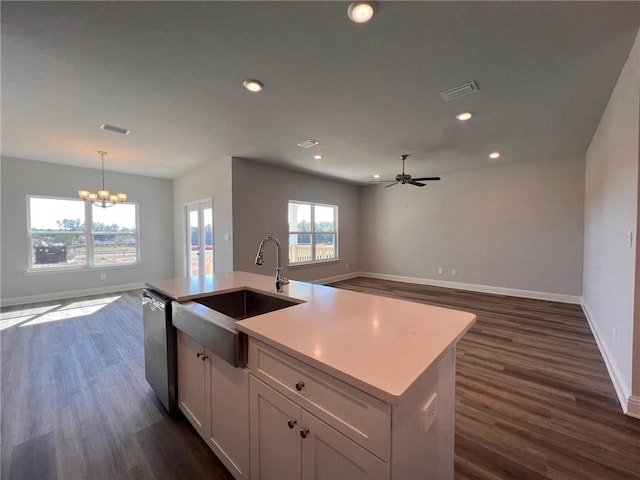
[{"x": 378, "y": 344}]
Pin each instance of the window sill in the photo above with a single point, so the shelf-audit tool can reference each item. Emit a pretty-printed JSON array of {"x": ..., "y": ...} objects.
[
  {"x": 311, "y": 264},
  {"x": 84, "y": 268}
]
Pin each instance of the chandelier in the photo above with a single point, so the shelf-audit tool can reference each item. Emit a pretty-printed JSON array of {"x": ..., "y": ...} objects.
[{"x": 103, "y": 198}]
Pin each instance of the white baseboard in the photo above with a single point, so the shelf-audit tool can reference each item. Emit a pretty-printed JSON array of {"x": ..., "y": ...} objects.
[
  {"x": 619, "y": 385},
  {"x": 337, "y": 278},
  {"x": 633, "y": 406},
  {"x": 47, "y": 297},
  {"x": 512, "y": 292}
]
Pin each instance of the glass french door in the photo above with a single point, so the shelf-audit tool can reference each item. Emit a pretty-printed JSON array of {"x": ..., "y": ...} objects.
[{"x": 200, "y": 238}]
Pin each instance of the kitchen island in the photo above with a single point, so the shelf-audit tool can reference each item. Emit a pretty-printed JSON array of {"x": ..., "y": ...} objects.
[{"x": 340, "y": 384}]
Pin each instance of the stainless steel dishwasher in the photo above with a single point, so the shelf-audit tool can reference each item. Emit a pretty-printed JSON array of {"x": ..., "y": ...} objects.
[{"x": 159, "y": 347}]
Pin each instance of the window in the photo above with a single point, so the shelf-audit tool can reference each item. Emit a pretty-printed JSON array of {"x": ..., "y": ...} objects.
[
  {"x": 114, "y": 235},
  {"x": 312, "y": 232},
  {"x": 67, "y": 233}
]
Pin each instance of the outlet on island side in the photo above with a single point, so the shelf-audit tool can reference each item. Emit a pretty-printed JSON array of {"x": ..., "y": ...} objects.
[
  {"x": 440, "y": 270},
  {"x": 103, "y": 276},
  {"x": 429, "y": 412}
]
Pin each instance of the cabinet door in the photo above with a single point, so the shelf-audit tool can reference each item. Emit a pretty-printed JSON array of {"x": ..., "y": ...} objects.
[
  {"x": 275, "y": 434},
  {"x": 328, "y": 455},
  {"x": 229, "y": 429},
  {"x": 192, "y": 382}
]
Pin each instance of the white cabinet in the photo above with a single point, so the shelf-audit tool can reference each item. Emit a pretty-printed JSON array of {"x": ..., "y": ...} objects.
[
  {"x": 275, "y": 439},
  {"x": 214, "y": 396},
  {"x": 288, "y": 442},
  {"x": 191, "y": 382},
  {"x": 306, "y": 424},
  {"x": 284, "y": 419},
  {"x": 351, "y": 434}
]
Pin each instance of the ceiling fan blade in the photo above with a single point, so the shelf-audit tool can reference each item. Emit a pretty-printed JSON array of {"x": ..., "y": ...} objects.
[
  {"x": 391, "y": 184},
  {"x": 423, "y": 179},
  {"x": 417, "y": 184},
  {"x": 381, "y": 181}
]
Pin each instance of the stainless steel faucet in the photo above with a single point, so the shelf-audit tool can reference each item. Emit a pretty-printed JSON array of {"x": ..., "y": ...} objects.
[{"x": 280, "y": 280}]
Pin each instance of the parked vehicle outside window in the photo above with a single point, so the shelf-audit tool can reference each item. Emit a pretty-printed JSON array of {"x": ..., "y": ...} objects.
[{"x": 69, "y": 233}]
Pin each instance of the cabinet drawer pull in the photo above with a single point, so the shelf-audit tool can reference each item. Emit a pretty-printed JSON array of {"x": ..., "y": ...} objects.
[
  {"x": 299, "y": 385},
  {"x": 292, "y": 422},
  {"x": 204, "y": 357},
  {"x": 199, "y": 354},
  {"x": 304, "y": 432}
]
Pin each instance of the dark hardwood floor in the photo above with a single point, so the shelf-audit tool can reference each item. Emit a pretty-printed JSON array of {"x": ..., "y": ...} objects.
[
  {"x": 75, "y": 403},
  {"x": 533, "y": 398}
]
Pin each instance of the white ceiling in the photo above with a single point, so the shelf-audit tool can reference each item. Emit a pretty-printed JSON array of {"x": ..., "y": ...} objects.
[{"x": 172, "y": 72}]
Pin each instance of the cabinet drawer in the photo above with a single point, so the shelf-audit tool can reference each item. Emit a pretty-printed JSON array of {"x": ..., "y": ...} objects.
[{"x": 364, "y": 419}]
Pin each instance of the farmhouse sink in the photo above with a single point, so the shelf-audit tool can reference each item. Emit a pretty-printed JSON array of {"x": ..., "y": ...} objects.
[
  {"x": 211, "y": 320},
  {"x": 244, "y": 303}
]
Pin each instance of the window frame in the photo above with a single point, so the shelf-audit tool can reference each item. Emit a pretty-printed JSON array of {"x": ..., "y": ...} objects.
[
  {"x": 312, "y": 233},
  {"x": 89, "y": 239}
]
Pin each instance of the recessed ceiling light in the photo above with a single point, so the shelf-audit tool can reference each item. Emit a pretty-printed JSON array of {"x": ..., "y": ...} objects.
[
  {"x": 376, "y": 175},
  {"x": 494, "y": 155},
  {"x": 361, "y": 12},
  {"x": 317, "y": 157},
  {"x": 464, "y": 116},
  {"x": 253, "y": 85}
]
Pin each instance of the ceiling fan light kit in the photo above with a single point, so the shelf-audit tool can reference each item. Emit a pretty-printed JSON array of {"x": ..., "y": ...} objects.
[{"x": 405, "y": 178}]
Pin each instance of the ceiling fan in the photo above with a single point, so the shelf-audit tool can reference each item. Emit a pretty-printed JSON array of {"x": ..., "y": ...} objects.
[{"x": 404, "y": 178}]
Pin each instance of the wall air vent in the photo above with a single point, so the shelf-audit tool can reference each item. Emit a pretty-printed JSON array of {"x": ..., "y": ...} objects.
[
  {"x": 308, "y": 143},
  {"x": 114, "y": 129},
  {"x": 459, "y": 91}
]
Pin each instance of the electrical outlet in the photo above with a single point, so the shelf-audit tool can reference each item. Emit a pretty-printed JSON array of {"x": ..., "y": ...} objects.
[
  {"x": 440, "y": 270},
  {"x": 429, "y": 412},
  {"x": 103, "y": 276},
  {"x": 454, "y": 271},
  {"x": 346, "y": 265}
]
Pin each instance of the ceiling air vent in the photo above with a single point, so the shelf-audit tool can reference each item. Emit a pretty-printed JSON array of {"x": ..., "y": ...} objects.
[
  {"x": 308, "y": 143},
  {"x": 114, "y": 129},
  {"x": 459, "y": 91}
]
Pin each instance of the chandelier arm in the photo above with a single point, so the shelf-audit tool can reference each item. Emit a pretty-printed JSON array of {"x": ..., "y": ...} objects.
[{"x": 106, "y": 199}]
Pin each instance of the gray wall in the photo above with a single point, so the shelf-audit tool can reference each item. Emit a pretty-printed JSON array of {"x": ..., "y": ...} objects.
[
  {"x": 209, "y": 181},
  {"x": 611, "y": 204},
  {"x": 516, "y": 226},
  {"x": 26, "y": 177},
  {"x": 260, "y": 208}
]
